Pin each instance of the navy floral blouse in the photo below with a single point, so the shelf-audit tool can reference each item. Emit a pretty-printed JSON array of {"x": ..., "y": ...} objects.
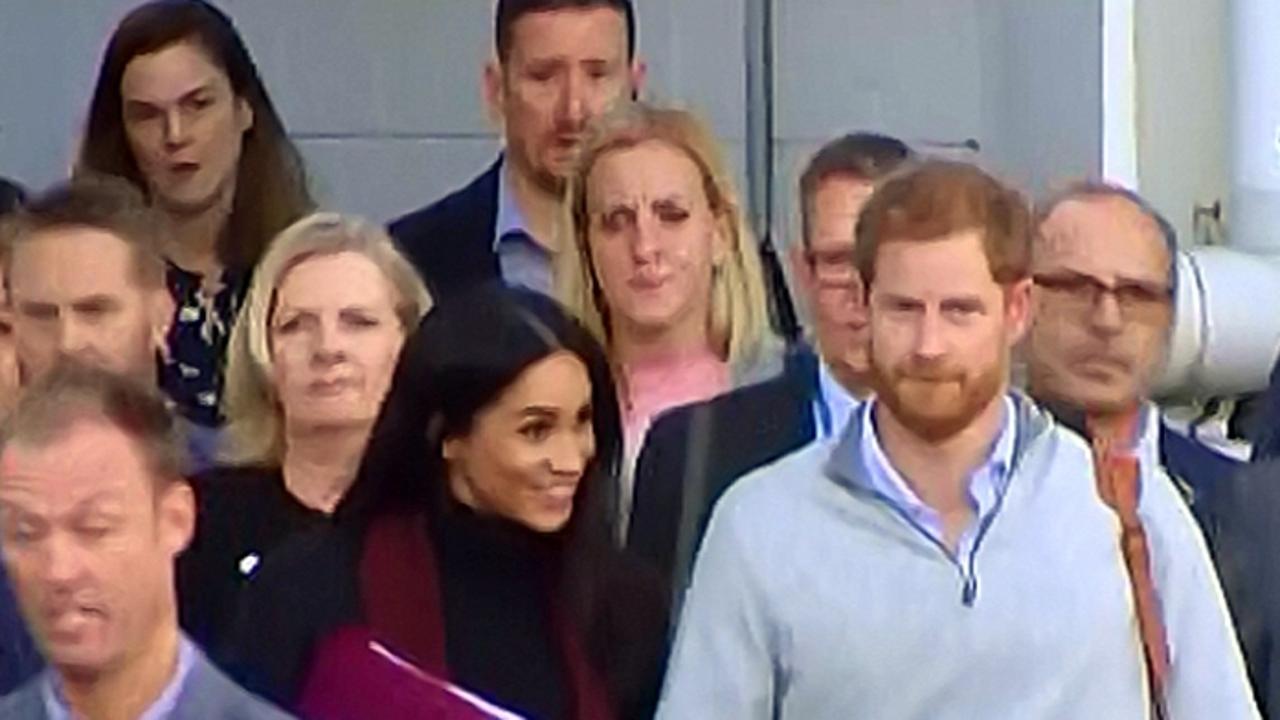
[{"x": 192, "y": 373}]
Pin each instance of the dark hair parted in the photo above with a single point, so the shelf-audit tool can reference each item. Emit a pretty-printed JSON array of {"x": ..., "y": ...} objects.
[
  {"x": 509, "y": 11},
  {"x": 74, "y": 391},
  {"x": 100, "y": 203},
  {"x": 465, "y": 354},
  {"x": 271, "y": 186},
  {"x": 864, "y": 156},
  {"x": 939, "y": 198}
]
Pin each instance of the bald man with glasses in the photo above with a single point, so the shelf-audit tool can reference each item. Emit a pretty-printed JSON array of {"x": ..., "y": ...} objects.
[{"x": 1104, "y": 265}]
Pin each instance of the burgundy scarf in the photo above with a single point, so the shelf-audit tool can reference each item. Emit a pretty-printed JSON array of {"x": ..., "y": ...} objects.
[{"x": 400, "y": 593}]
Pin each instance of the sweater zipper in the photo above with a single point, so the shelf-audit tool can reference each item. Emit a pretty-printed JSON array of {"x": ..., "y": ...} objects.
[
  {"x": 968, "y": 587},
  {"x": 968, "y": 576}
]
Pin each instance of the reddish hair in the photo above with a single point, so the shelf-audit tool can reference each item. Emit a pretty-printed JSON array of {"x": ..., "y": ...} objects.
[{"x": 941, "y": 198}]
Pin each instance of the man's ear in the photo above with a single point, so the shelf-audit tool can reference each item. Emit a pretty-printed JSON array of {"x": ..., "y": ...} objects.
[
  {"x": 176, "y": 516},
  {"x": 1018, "y": 309},
  {"x": 495, "y": 93}
]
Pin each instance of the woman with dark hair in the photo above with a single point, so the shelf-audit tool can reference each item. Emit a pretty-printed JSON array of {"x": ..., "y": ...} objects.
[
  {"x": 180, "y": 111},
  {"x": 475, "y": 546}
]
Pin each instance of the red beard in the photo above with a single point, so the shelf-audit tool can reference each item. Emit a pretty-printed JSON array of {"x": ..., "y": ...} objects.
[{"x": 935, "y": 401}]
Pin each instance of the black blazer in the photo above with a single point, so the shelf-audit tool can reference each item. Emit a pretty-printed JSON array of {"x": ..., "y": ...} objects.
[
  {"x": 1241, "y": 521},
  {"x": 1265, "y": 436},
  {"x": 450, "y": 241},
  {"x": 693, "y": 453}
]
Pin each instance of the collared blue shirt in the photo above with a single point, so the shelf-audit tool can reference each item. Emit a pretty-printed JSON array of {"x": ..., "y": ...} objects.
[
  {"x": 987, "y": 484},
  {"x": 833, "y": 405},
  {"x": 56, "y": 707},
  {"x": 521, "y": 260}
]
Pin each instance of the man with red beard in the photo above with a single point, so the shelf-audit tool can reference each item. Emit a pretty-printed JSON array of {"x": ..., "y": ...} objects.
[
  {"x": 949, "y": 554},
  {"x": 692, "y": 454}
]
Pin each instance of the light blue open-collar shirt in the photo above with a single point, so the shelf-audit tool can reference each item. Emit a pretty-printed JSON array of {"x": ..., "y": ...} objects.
[
  {"x": 56, "y": 707},
  {"x": 521, "y": 260},
  {"x": 987, "y": 485}
]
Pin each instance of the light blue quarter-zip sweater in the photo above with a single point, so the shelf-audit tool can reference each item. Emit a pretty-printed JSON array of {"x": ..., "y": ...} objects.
[{"x": 813, "y": 598}]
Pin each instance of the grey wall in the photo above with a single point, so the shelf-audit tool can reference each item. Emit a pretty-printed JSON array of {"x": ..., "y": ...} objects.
[
  {"x": 384, "y": 96},
  {"x": 1023, "y": 77},
  {"x": 1183, "y": 51}
]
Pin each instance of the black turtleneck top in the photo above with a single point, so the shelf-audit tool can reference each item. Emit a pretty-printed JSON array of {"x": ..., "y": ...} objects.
[{"x": 496, "y": 583}]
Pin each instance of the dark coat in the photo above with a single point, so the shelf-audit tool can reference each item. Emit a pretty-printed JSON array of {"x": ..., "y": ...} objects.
[
  {"x": 450, "y": 241},
  {"x": 19, "y": 660},
  {"x": 1243, "y": 529},
  {"x": 383, "y": 582},
  {"x": 692, "y": 454}
]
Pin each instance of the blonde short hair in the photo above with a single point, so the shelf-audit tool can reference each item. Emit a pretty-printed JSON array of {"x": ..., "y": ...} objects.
[
  {"x": 254, "y": 432},
  {"x": 739, "y": 323}
]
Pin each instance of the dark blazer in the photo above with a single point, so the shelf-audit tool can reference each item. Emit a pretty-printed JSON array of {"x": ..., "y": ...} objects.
[
  {"x": 19, "y": 659},
  {"x": 693, "y": 453},
  {"x": 205, "y": 694},
  {"x": 1266, "y": 432},
  {"x": 1243, "y": 530},
  {"x": 450, "y": 241},
  {"x": 1197, "y": 469}
]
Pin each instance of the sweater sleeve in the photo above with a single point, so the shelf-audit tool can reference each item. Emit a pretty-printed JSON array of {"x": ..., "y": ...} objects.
[
  {"x": 726, "y": 657},
  {"x": 1207, "y": 678}
]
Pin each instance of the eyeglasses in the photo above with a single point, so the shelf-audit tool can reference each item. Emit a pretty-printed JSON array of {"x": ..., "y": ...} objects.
[{"x": 1137, "y": 300}]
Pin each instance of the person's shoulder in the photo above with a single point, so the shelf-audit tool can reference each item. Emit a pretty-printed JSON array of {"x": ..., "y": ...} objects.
[
  {"x": 463, "y": 205},
  {"x": 1193, "y": 460},
  {"x": 210, "y": 693},
  {"x": 724, "y": 410},
  {"x": 746, "y": 403},
  {"x": 1251, "y": 495},
  {"x": 239, "y": 486},
  {"x": 771, "y": 493},
  {"x": 24, "y": 702}
]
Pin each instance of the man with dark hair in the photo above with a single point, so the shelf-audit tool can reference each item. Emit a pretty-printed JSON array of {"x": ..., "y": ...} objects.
[
  {"x": 86, "y": 280},
  {"x": 1106, "y": 275},
  {"x": 557, "y": 64},
  {"x": 692, "y": 454},
  {"x": 93, "y": 512},
  {"x": 948, "y": 555}
]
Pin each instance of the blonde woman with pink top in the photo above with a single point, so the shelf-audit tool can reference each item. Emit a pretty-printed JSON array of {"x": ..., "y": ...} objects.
[{"x": 658, "y": 262}]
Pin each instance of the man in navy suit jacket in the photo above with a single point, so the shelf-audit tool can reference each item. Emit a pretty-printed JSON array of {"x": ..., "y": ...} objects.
[
  {"x": 559, "y": 63},
  {"x": 692, "y": 454},
  {"x": 19, "y": 660},
  {"x": 1105, "y": 269}
]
